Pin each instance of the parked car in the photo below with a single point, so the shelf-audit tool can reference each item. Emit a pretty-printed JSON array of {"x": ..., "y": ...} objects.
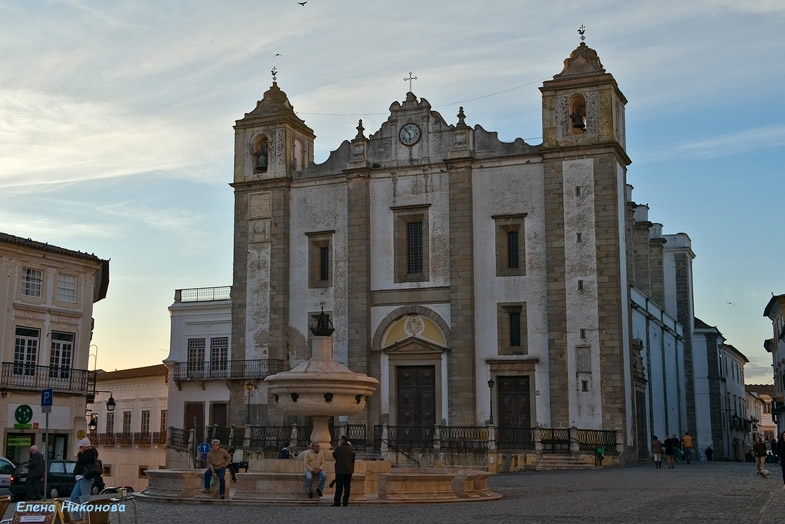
[
  {"x": 60, "y": 480},
  {"x": 6, "y": 470}
]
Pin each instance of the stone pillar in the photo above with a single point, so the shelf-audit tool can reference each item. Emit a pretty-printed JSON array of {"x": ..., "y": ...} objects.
[{"x": 461, "y": 358}]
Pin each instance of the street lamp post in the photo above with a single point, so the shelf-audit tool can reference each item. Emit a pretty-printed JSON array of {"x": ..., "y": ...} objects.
[
  {"x": 249, "y": 387},
  {"x": 490, "y": 387},
  {"x": 110, "y": 404}
]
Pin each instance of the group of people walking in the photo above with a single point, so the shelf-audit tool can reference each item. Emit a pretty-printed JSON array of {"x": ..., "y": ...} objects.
[{"x": 673, "y": 448}]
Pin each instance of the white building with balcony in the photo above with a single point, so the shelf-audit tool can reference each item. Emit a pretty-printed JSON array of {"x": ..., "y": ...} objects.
[
  {"x": 46, "y": 295},
  {"x": 201, "y": 374}
]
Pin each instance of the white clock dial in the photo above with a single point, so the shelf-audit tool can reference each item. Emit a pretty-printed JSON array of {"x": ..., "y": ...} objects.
[{"x": 410, "y": 134}]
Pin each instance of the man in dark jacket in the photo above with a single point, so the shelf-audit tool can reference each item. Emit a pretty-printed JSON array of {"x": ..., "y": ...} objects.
[
  {"x": 344, "y": 467},
  {"x": 35, "y": 474}
]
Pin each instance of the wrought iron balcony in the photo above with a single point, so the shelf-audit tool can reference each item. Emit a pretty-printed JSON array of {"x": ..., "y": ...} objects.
[
  {"x": 203, "y": 294},
  {"x": 226, "y": 369},
  {"x": 17, "y": 375}
]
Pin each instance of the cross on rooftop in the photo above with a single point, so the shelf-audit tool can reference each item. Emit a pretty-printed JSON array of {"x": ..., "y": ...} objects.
[{"x": 410, "y": 80}]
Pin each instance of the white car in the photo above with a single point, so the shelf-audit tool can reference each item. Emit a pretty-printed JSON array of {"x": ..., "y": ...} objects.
[{"x": 6, "y": 469}]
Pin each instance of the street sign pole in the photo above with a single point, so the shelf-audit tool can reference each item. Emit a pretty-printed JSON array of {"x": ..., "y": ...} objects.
[
  {"x": 46, "y": 460},
  {"x": 46, "y": 407}
]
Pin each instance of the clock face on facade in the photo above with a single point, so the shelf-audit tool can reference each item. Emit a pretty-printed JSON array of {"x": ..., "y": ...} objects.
[{"x": 410, "y": 134}]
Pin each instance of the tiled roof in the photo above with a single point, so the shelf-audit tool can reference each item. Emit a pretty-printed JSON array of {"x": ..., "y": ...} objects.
[{"x": 146, "y": 371}]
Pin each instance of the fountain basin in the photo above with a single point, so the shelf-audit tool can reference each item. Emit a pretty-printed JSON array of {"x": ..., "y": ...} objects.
[
  {"x": 271, "y": 481},
  {"x": 301, "y": 395},
  {"x": 321, "y": 388}
]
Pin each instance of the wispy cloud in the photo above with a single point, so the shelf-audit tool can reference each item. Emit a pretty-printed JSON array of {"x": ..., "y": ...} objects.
[
  {"x": 732, "y": 144},
  {"x": 50, "y": 139}
]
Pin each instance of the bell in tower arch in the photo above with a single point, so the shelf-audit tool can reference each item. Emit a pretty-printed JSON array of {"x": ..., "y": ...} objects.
[{"x": 260, "y": 156}]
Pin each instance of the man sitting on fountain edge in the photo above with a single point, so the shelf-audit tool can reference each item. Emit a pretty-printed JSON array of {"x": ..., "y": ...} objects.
[{"x": 314, "y": 464}]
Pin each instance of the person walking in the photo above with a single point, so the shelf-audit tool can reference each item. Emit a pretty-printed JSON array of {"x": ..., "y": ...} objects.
[
  {"x": 217, "y": 460},
  {"x": 35, "y": 474},
  {"x": 344, "y": 467},
  {"x": 709, "y": 452},
  {"x": 676, "y": 447},
  {"x": 686, "y": 446},
  {"x": 87, "y": 454},
  {"x": 670, "y": 449},
  {"x": 759, "y": 452},
  {"x": 781, "y": 454},
  {"x": 656, "y": 449}
]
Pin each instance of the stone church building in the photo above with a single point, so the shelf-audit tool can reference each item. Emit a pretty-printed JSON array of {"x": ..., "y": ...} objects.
[{"x": 445, "y": 258}]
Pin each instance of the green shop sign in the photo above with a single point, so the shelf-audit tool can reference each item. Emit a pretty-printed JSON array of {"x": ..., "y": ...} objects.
[
  {"x": 19, "y": 441},
  {"x": 23, "y": 414}
]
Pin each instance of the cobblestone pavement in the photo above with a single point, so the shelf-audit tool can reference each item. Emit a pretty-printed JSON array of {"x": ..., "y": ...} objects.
[{"x": 716, "y": 492}]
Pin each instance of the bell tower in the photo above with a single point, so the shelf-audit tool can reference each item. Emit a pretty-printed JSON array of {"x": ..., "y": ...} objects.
[
  {"x": 271, "y": 141},
  {"x": 271, "y": 144},
  {"x": 583, "y": 106},
  {"x": 585, "y": 165}
]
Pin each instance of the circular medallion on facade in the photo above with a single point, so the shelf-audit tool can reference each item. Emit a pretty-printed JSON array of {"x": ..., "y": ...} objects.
[{"x": 413, "y": 326}]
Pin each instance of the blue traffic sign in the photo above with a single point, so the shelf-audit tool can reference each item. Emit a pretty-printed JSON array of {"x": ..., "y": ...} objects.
[{"x": 46, "y": 397}]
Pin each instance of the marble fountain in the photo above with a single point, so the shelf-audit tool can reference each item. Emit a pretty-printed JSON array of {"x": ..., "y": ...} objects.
[{"x": 323, "y": 388}]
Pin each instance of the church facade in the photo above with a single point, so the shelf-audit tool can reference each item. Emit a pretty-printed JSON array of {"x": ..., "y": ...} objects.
[{"x": 479, "y": 281}]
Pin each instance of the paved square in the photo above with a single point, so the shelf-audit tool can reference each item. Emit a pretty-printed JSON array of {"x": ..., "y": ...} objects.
[{"x": 716, "y": 492}]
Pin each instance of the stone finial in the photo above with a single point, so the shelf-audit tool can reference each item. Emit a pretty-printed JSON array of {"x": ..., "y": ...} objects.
[
  {"x": 360, "y": 130},
  {"x": 461, "y": 117}
]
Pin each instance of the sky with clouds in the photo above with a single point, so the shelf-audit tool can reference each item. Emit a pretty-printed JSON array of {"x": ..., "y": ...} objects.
[{"x": 116, "y": 125}]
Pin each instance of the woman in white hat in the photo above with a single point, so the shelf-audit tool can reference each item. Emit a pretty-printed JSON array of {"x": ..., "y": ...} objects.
[{"x": 87, "y": 455}]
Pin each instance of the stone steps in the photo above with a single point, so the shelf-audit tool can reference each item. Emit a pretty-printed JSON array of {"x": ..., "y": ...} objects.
[{"x": 564, "y": 462}]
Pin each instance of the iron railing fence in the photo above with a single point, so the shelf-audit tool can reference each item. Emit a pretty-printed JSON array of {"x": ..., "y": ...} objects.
[
  {"x": 555, "y": 440},
  {"x": 475, "y": 439},
  {"x": 203, "y": 294},
  {"x": 405, "y": 438},
  {"x": 515, "y": 438},
  {"x": 270, "y": 437},
  {"x": 589, "y": 439},
  {"x": 226, "y": 369},
  {"x": 304, "y": 436},
  {"x": 138, "y": 438},
  {"x": 358, "y": 436},
  {"x": 464, "y": 438},
  {"x": 178, "y": 438},
  {"x": 60, "y": 379}
]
